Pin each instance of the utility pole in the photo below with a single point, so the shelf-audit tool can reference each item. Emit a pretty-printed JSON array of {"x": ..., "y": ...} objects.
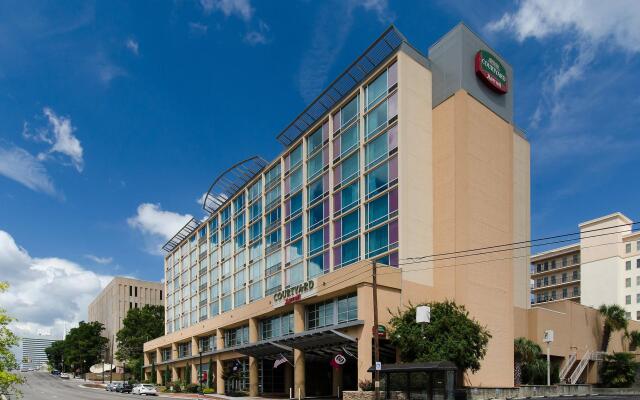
[{"x": 376, "y": 339}]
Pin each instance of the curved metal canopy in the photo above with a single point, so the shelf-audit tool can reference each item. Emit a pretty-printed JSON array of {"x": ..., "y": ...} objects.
[
  {"x": 182, "y": 234},
  {"x": 230, "y": 181}
]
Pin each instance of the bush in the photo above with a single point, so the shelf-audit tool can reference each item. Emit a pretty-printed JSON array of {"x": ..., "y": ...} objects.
[
  {"x": 535, "y": 372},
  {"x": 161, "y": 388},
  {"x": 175, "y": 386},
  {"x": 365, "y": 385},
  {"x": 191, "y": 388},
  {"x": 208, "y": 391},
  {"x": 618, "y": 370}
]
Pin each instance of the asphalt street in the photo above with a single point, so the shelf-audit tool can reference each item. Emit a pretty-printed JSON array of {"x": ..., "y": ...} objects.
[{"x": 44, "y": 386}]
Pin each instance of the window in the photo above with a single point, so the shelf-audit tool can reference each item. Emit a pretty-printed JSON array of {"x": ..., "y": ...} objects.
[
  {"x": 316, "y": 189},
  {"x": 316, "y": 241},
  {"x": 130, "y": 291},
  {"x": 376, "y": 119},
  {"x": 638, "y": 263},
  {"x": 238, "y": 203},
  {"x": 295, "y": 204},
  {"x": 295, "y": 180},
  {"x": 576, "y": 275},
  {"x": 315, "y": 166},
  {"x": 272, "y": 197},
  {"x": 349, "y": 139},
  {"x": 240, "y": 241},
  {"x": 184, "y": 349},
  {"x": 638, "y": 280},
  {"x": 638, "y": 315},
  {"x": 272, "y": 239},
  {"x": 347, "y": 226},
  {"x": 236, "y": 336},
  {"x": 255, "y": 291},
  {"x": 281, "y": 325},
  {"x": 576, "y": 291},
  {"x": 627, "y": 282},
  {"x": 376, "y": 89},
  {"x": 564, "y": 277},
  {"x": 627, "y": 315},
  {"x": 379, "y": 178},
  {"x": 295, "y": 157},
  {"x": 638, "y": 298},
  {"x": 320, "y": 314},
  {"x": 272, "y": 218},
  {"x": 348, "y": 197},
  {"x": 255, "y": 190},
  {"x": 348, "y": 169},
  {"x": 272, "y": 176},
  {"x": 627, "y": 247},
  {"x": 576, "y": 258},
  {"x": 349, "y": 112},
  {"x": 380, "y": 240},
  {"x": 376, "y": 150},
  {"x": 627, "y": 299},
  {"x": 295, "y": 227},
  {"x": 315, "y": 266},
  {"x": 627, "y": 265},
  {"x": 315, "y": 215},
  {"x": 255, "y": 231},
  {"x": 565, "y": 293},
  {"x": 565, "y": 262},
  {"x": 347, "y": 308},
  {"x": 226, "y": 232},
  {"x": 546, "y": 281},
  {"x": 347, "y": 253},
  {"x": 255, "y": 211},
  {"x": 553, "y": 280},
  {"x": 314, "y": 141},
  {"x": 294, "y": 251},
  {"x": 255, "y": 251},
  {"x": 239, "y": 222},
  {"x": 274, "y": 283},
  {"x": 378, "y": 210},
  {"x": 225, "y": 214},
  {"x": 294, "y": 275}
]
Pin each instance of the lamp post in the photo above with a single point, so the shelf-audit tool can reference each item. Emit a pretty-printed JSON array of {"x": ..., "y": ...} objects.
[{"x": 548, "y": 339}]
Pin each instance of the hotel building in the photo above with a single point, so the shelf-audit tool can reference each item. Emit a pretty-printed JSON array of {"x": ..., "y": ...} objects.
[
  {"x": 113, "y": 303},
  {"x": 602, "y": 268},
  {"x": 406, "y": 154}
]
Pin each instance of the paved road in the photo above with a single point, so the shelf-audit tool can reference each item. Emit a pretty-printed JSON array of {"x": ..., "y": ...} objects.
[{"x": 44, "y": 386}]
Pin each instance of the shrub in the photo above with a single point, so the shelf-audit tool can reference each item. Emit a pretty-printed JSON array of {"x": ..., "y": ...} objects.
[
  {"x": 208, "y": 391},
  {"x": 618, "y": 370},
  {"x": 191, "y": 388},
  {"x": 365, "y": 385},
  {"x": 161, "y": 388}
]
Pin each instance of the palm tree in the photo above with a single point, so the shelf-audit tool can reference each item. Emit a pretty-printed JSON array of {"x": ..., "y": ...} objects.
[
  {"x": 634, "y": 340},
  {"x": 525, "y": 351},
  {"x": 614, "y": 320}
]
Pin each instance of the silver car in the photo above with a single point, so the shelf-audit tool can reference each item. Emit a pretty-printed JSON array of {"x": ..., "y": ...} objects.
[{"x": 145, "y": 388}]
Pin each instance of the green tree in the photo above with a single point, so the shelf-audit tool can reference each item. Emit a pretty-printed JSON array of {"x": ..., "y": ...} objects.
[
  {"x": 618, "y": 370},
  {"x": 139, "y": 326},
  {"x": 525, "y": 352},
  {"x": 210, "y": 374},
  {"x": 450, "y": 336},
  {"x": 614, "y": 320},
  {"x": 84, "y": 345},
  {"x": 187, "y": 374},
  {"x": 166, "y": 377},
  {"x": 8, "y": 381},
  {"x": 535, "y": 372},
  {"x": 55, "y": 354}
]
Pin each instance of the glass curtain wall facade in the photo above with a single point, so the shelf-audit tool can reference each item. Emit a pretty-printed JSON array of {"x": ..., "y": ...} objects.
[{"x": 331, "y": 199}]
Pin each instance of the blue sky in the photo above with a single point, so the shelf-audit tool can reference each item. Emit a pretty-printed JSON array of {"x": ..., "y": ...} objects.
[{"x": 116, "y": 116}]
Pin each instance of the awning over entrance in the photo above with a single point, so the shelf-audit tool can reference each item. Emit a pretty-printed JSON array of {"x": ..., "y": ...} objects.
[
  {"x": 413, "y": 367},
  {"x": 263, "y": 349},
  {"x": 322, "y": 341}
]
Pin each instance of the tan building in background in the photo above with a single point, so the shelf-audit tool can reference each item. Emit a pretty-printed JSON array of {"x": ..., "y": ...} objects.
[{"x": 110, "y": 307}]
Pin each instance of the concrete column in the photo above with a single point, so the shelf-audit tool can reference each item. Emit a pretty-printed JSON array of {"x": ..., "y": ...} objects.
[
  {"x": 195, "y": 349},
  {"x": 298, "y": 355},
  {"x": 174, "y": 374},
  {"x": 159, "y": 373},
  {"x": 365, "y": 338},
  {"x": 253, "y": 362},
  {"x": 219, "y": 379},
  {"x": 219, "y": 366}
]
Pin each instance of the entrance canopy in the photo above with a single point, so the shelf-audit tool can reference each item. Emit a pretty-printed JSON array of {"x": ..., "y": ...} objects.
[
  {"x": 264, "y": 349},
  {"x": 323, "y": 341}
]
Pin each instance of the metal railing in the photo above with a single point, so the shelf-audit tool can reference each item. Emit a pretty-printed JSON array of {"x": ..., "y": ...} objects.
[{"x": 567, "y": 367}]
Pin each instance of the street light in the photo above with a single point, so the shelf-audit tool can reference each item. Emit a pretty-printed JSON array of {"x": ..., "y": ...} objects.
[{"x": 548, "y": 339}]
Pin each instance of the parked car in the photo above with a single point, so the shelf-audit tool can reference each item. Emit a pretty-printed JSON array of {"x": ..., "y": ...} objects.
[
  {"x": 124, "y": 387},
  {"x": 145, "y": 389},
  {"x": 55, "y": 372},
  {"x": 64, "y": 375},
  {"x": 111, "y": 387}
]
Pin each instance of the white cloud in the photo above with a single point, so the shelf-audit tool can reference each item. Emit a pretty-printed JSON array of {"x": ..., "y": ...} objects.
[
  {"x": 330, "y": 33},
  {"x": 197, "y": 28},
  {"x": 45, "y": 293},
  {"x": 19, "y": 165},
  {"x": 258, "y": 36},
  {"x": 64, "y": 142},
  {"x": 239, "y": 8},
  {"x": 157, "y": 225},
  {"x": 597, "y": 21},
  {"x": 133, "y": 45},
  {"x": 99, "y": 260}
]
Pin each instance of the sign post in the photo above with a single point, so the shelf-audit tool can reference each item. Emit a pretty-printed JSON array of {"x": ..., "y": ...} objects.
[{"x": 548, "y": 339}]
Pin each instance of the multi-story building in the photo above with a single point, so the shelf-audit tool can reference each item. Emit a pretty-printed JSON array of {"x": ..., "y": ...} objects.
[
  {"x": 111, "y": 305},
  {"x": 602, "y": 268},
  {"x": 556, "y": 275},
  {"x": 33, "y": 354},
  {"x": 403, "y": 156}
]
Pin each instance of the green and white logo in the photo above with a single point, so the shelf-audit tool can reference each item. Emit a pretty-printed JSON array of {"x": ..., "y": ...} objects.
[{"x": 491, "y": 71}]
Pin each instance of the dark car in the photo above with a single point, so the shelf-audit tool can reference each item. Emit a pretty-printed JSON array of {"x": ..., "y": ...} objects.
[
  {"x": 55, "y": 372},
  {"x": 124, "y": 387}
]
